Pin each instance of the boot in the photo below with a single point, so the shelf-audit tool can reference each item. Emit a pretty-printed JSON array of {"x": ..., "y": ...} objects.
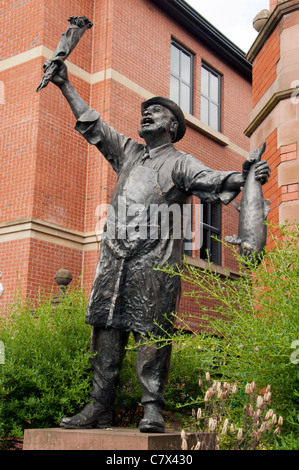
[
  {"x": 153, "y": 419},
  {"x": 93, "y": 415}
]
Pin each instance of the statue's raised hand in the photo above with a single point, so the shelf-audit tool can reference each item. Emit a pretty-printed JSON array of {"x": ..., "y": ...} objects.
[{"x": 60, "y": 75}]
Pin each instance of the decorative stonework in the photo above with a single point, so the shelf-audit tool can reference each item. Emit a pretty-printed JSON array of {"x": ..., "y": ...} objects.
[
  {"x": 63, "y": 278},
  {"x": 260, "y": 20}
]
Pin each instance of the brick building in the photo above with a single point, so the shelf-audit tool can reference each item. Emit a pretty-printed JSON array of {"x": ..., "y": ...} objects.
[
  {"x": 275, "y": 115},
  {"x": 53, "y": 182}
]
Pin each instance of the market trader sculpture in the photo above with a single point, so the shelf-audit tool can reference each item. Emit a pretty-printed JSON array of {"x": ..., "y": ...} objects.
[{"x": 128, "y": 295}]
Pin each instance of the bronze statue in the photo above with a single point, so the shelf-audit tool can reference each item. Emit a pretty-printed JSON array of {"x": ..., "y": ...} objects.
[{"x": 128, "y": 295}]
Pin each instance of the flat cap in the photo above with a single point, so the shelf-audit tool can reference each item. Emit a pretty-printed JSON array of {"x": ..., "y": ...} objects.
[{"x": 174, "y": 108}]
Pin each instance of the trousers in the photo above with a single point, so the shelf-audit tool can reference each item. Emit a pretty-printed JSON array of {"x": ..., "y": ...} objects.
[{"x": 153, "y": 363}]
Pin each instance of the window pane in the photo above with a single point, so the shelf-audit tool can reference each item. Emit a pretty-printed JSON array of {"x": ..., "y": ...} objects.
[
  {"x": 215, "y": 250},
  {"x": 174, "y": 89},
  {"x": 204, "y": 81},
  {"x": 185, "y": 97},
  {"x": 204, "y": 246},
  {"x": 185, "y": 67},
  {"x": 211, "y": 218},
  {"x": 175, "y": 60},
  {"x": 204, "y": 110},
  {"x": 210, "y": 89},
  {"x": 214, "y": 116},
  {"x": 204, "y": 213},
  {"x": 181, "y": 77},
  {"x": 214, "y": 88},
  {"x": 216, "y": 215}
]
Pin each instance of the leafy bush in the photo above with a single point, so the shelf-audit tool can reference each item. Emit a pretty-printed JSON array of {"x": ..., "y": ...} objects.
[
  {"x": 255, "y": 323},
  {"x": 46, "y": 374}
]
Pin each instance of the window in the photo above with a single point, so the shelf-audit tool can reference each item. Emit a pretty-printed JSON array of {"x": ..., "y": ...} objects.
[
  {"x": 211, "y": 219},
  {"x": 211, "y": 97},
  {"x": 181, "y": 72}
]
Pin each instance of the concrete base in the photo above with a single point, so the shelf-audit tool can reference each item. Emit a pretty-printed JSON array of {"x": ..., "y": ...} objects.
[{"x": 102, "y": 439}]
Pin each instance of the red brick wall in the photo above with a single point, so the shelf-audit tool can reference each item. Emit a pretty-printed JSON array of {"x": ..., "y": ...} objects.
[
  {"x": 18, "y": 141},
  {"x": 271, "y": 188},
  {"x": 45, "y": 259},
  {"x": 14, "y": 257},
  {"x": 276, "y": 193},
  {"x": 264, "y": 70},
  {"x": 23, "y": 26}
]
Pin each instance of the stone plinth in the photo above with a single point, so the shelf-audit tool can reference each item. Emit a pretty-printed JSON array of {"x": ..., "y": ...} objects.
[{"x": 101, "y": 439}]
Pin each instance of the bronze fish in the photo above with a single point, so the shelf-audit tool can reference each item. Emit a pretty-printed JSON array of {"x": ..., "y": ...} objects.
[{"x": 253, "y": 212}]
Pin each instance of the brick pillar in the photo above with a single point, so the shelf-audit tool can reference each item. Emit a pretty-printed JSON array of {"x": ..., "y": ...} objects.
[{"x": 275, "y": 115}]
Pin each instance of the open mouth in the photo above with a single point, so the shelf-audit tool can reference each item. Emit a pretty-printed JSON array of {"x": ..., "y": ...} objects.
[{"x": 146, "y": 121}]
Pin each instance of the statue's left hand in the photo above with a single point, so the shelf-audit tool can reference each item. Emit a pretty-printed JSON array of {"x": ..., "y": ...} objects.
[{"x": 262, "y": 171}]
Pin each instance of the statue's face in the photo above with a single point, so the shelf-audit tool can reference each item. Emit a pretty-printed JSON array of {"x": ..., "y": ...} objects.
[{"x": 157, "y": 119}]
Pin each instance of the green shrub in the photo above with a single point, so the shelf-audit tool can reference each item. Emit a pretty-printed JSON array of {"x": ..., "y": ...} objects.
[
  {"x": 255, "y": 323},
  {"x": 46, "y": 374}
]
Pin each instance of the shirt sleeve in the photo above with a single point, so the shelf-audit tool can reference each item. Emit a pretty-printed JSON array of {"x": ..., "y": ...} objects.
[
  {"x": 110, "y": 143},
  {"x": 193, "y": 177}
]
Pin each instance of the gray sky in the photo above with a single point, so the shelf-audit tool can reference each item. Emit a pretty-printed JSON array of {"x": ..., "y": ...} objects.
[{"x": 232, "y": 17}]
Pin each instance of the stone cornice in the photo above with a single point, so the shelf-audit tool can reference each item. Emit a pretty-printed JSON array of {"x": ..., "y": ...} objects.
[
  {"x": 47, "y": 231},
  {"x": 271, "y": 104}
]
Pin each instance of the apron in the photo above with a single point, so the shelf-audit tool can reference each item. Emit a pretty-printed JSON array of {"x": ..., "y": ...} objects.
[{"x": 127, "y": 293}]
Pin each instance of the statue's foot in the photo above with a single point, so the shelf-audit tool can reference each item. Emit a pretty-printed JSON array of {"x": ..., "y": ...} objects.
[
  {"x": 153, "y": 419},
  {"x": 93, "y": 415}
]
